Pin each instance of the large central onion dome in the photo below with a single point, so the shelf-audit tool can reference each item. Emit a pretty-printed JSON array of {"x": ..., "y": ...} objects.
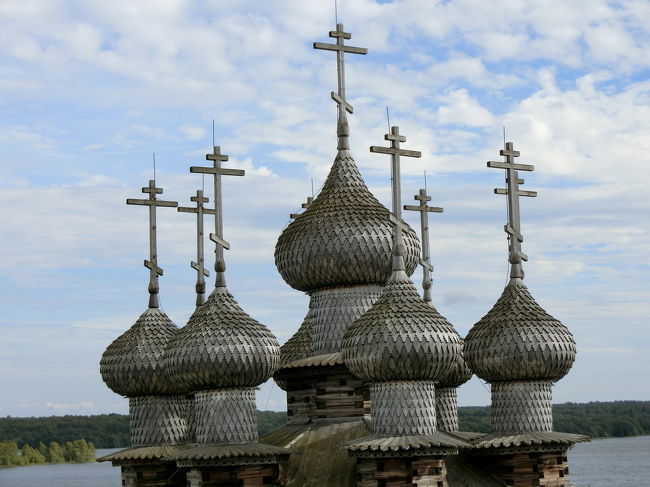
[
  {"x": 132, "y": 364},
  {"x": 343, "y": 238},
  {"x": 518, "y": 340},
  {"x": 401, "y": 337},
  {"x": 221, "y": 346}
]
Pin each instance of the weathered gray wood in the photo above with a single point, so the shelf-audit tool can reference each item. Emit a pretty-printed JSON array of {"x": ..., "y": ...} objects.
[
  {"x": 199, "y": 265},
  {"x": 342, "y": 128},
  {"x": 516, "y": 256},
  {"x": 152, "y": 263},
  {"x": 393, "y": 151}
]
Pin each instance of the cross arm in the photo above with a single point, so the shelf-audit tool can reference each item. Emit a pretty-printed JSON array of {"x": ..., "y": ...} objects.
[
  {"x": 214, "y": 170},
  {"x": 193, "y": 209},
  {"x": 530, "y": 194},
  {"x": 336, "y": 47},
  {"x": 219, "y": 241},
  {"x": 341, "y": 101},
  {"x": 431, "y": 209},
  {"x": 153, "y": 267},
  {"x": 131, "y": 201},
  {"x": 196, "y": 267},
  {"x": 391, "y": 150},
  {"x": 508, "y": 165}
]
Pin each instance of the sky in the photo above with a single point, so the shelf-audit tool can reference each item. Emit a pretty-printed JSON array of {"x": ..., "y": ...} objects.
[{"x": 90, "y": 90}]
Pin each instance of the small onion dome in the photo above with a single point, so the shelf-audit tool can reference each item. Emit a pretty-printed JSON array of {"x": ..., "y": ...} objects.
[
  {"x": 458, "y": 374},
  {"x": 343, "y": 238},
  {"x": 221, "y": 346},
  {"x": 518, "y": 340},
  {"x": 299, "y": 345},
  {"x": 401, "y": 337},
  {"x": 132, "y": 364}
]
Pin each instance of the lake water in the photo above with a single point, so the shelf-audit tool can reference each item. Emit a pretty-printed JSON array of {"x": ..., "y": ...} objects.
[{"x": 612, "y": 462}]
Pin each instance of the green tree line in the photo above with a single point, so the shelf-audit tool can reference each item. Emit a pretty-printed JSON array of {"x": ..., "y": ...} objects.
[
  {"x": 596, "y": 419},
  {"x": 78, "y": 451},
  {"x": 103, "y": 430}
]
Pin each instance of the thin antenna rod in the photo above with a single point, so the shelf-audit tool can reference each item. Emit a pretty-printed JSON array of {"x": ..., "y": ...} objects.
[
  {"x": 213, "y": 132},
  {"x": 504, "y": 136},
  {"x": 425, "y": 179},
  {"x": 336, "y": 11},
  {"x": 312, "y": 187},
  {"x": 154, "y": 166},
  {"x": 388, "y": 118}
]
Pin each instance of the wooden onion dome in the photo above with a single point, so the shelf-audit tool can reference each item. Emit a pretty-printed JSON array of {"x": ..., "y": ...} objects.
[
  {"x": 401, "y": 337},
  {"x": 518, "y": 340},
  {"x": 132, "y": 364},
  {"x": 344, "y": 237},
  {"x": 222, "y": 346}
]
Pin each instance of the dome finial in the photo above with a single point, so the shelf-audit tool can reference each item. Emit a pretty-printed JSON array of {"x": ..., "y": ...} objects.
[
  {"x": 513, "y": 228},
  {"x": 395, "y": 152},
  {"x": 424, "y": 210},
  {"x": 342, "y": 127},
  {"x": 217, "y": 171},
  {"x": 152, "y": 263},
  {"x": 199, "y": 265}
]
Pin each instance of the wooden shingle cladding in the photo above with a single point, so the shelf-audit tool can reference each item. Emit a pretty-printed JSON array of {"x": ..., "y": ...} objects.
[
  {"x": 343, "y": 238},
  {"x": 158, "y": 420},
  {"x": 132, "y": 364}
]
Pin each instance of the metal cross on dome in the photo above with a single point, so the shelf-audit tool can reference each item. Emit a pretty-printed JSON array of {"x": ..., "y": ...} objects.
[
  {"x": 217, "y": 171},
  {"x": 513, "y": 228},
  {"x": 199, "y": 265},
  {"x": 152, "y": 263},
  {"x": 425, "y": 262},
  {"x": 395, "y": 152},
  {"x": 340, "y": 35}
]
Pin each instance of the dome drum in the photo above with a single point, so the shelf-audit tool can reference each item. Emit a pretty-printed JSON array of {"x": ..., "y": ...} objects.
[
  {"x": 333, "y": 310},
  {"x": 158, "y": 420},
  {"x": 520, "y": 407},
  {"x": 446, "y": 408},
  {"x": 225, "y": 416},
  {"x": 403, "y": 408}
]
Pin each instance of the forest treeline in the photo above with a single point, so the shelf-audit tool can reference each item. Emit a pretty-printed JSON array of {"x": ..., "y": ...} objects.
[
  {"x": 78, "y": 451},
  {"x": 596, "y": 419},
  {"x": 103, "y": 430}
]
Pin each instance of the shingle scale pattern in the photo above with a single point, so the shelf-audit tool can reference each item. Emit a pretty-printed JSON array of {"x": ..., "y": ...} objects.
[
  {"x": 132, "y": 364},
  {"x": 225, "y": 416},
  {"x": 221, "y": 346},
  {"x": 518, "y": 340},
  {"x": 158, "y": 420},
  {"x": 335, "y": 309},
  {"x": 299, "y": 345},
  {"x": 400, "y": 338},
  {"x": 446, "y": 408},
  {"x": 408, "y": 442},
  {"x": 343, "y": 238},
  {"x": 402, "y": 408},
  {"x": 459, "y": 372},
  {"x": 521, "y": 407}
]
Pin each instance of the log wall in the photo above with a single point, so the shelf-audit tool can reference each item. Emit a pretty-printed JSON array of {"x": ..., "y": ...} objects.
[{"x": 401, "y": 472}]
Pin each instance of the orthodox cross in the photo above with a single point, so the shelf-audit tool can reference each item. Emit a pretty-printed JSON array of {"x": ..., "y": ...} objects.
[
  {"x": 305, "y": 205},
  {"x": 152, "y": 263},
  {"x": 513, "y": 228},
  {"x": 340, "y": 48},
  {"x": 395, "y": 152},
  {"x": 425, "y": 262},
  {"x": 217, "y": 171},
  {"x": 199, "y": 265}
]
